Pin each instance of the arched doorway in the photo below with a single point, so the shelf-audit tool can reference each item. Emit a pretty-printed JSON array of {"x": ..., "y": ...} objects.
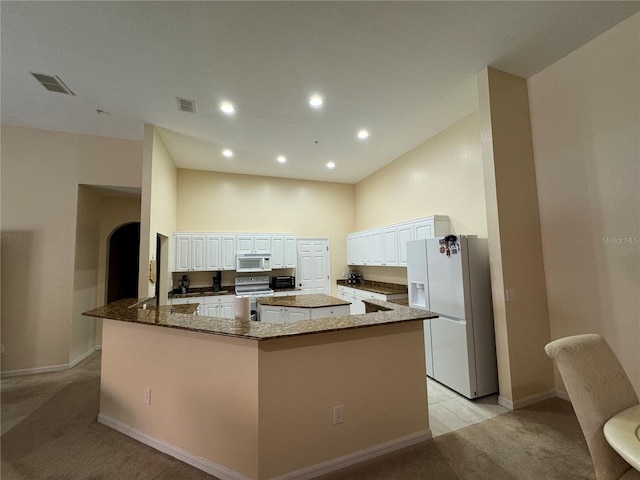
[{"x": 123, "y": 262}]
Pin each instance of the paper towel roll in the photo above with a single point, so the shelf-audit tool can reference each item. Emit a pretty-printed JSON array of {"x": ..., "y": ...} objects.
[{"x": 243, "y": 307}]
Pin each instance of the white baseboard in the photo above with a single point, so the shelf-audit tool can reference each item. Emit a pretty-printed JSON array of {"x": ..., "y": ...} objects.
[
  {"x": 357, "y": 457},
  {"x": 525, "y": 402},
  {"x": 50, "y": 368},
  {"x": 79, "y": 359},
  {"x": 303, "y": 474},
  {"x": 35, "y": 370},
  {"x": 183, "y": 455}
]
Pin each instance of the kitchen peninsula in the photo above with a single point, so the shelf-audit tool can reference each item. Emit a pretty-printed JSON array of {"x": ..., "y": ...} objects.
[{"x": 253, "y": 400}]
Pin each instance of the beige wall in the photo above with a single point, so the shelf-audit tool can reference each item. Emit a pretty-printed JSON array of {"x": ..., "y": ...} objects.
[
  {"x": 85, "y": 278},
  {"x": 585, "y": 112},
  {"x": 303, "y": 378},
  {"x": 442, "y": 176},
  {"x": 266, "y": 408},
  {"x": 204, "y": 390},
  {"x": 515, "y": 252},
  {"x": 222, "y": 202},
  {"x": 40, "y": 174},
  {"x": 115, "y": 211},
  {"x": 158, "y": 203}
]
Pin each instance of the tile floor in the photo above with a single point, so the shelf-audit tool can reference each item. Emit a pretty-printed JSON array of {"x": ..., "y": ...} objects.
[{"x": 449, "y": 411}]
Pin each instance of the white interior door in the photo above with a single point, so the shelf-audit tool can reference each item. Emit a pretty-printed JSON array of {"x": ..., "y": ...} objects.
[{"x": 313, "y": 272}]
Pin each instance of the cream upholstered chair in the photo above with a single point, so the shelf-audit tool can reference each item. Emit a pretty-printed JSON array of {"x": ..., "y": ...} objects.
[{"x": 598, "y": 388}]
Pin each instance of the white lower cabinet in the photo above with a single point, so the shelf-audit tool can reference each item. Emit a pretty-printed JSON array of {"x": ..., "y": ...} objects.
[
  {"x": 272, "y": 314},
  {"x": 221, "y": 306},
  {"x": 183, "y": 301},
  {"x": 328, "y": 312},
  {"x": 356, "y": 297}
]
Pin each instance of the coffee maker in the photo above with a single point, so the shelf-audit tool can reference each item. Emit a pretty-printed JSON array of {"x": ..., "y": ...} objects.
[
  {"x": 184, "y": 284},
  {"x": 217, "y": 279}
]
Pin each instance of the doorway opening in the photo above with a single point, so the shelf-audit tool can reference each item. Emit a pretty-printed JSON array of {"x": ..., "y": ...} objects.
[{"x": 123, "y": 262}]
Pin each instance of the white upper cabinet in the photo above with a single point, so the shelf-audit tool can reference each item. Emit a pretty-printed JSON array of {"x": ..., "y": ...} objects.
[
  {"x": 228, "y": 252},
  {"x": 390, "y": 247},
  {"x": 251, "y": 243},
  {"x": 214, "y": 252},
  {"x": 387, "y": 246},
  {"x": 182, "y": 245},
  {"x": 405, "y": 233},
  {"x": 190, "y": 252},
  {"x": 284, "y": 251},
  {"x": 217, "y": 251}
]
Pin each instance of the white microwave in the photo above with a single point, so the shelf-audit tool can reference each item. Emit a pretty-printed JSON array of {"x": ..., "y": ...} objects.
[{"x": 253, "y": 262}]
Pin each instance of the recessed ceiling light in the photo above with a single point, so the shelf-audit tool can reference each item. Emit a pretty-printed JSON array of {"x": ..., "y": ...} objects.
[
  {"x": 227, "y": 153},
  {"x": 315, "y": 100},
  {"x": 331, "y": 165},
  {"x": 362, "y": 134},
  {"x": 227, "y": 107},
  {"x": 282, "y": 159}
]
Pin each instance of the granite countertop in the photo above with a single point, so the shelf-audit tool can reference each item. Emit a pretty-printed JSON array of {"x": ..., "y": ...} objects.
[
  {"x": 129, "y": 310},
  {"x": 376, "y": 287},
  {"x": 203, "y": 292},
  {"x": 315, "y": 300}
]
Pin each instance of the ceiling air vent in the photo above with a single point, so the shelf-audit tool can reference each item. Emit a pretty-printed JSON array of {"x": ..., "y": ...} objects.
[
  {"x": 53, "y": 83},
  {"x": 185, "y": 105}
]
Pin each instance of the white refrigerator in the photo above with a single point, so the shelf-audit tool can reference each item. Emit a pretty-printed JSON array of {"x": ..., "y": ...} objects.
[{"x": 455, "y": 284}]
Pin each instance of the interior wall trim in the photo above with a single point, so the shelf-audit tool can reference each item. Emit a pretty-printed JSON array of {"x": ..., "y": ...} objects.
[
  {"x": 303, "y": 474},
  {"x": 525, "y": 402},
  {"x": 50, "y": 368},
  {"x": 181, "y": 454},
  {"x": 356, "y": 457}
]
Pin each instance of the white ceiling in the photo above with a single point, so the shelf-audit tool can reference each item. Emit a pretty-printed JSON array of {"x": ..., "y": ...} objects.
[{"x": 403, "y": 70}]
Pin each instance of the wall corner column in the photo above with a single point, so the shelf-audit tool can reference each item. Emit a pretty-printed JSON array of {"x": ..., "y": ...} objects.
[{"x": 515, "y": 247}]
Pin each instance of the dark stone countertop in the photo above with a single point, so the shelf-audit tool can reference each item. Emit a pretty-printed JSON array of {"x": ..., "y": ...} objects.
[
  {"x": 203, "y": 292},
  {"x": 129, "y": 310},
  {"x": 314, "y": 300},
  {"x": 376, "y": 287}
]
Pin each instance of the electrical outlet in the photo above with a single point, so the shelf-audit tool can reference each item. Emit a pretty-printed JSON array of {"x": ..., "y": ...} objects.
[
  {"x": 510, "y": 295},
  {"x": 338, "y": 414},
  {"x": 147, "y": 396}
]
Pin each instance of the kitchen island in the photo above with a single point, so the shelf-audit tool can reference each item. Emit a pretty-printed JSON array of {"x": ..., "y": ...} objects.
[
  {"x": 293, "y": 308},
  {"x": 253, "y": 400}
]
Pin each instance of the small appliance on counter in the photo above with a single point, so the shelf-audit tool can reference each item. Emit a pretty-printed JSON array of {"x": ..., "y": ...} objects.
[
  {"x": 184, "y": 284},
  {"x": 217, "y": 280},
  {"x": 355, "y": 276},
  {"x": 283, "y": 282}
]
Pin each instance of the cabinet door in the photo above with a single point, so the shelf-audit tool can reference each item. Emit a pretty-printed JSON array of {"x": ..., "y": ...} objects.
[
  {"x": 328, "y": 312},
  {"x": 290, "y": 251},
  {"x": 376, "y": 247},
  {"x": 244, "y": 244},
  {"x": 214, "y": 249},
  {"x": 405, "y": 234},
  {"x": 198, "y": 252},
  {"x": 277, "y": 252},
  {"x": 351, "y": 250},
  {"x": 295, "y": 314},
  {"x": 271, "y": 314},
  {"x": 211, "y": 310},
  {"x": 228, "y": 252},
  {"x": 390, "y": 247},
  {"x": 423, "y": 229},
  {"x": 227, "y": 310},
  {"x": 262, "y": 244},
  {"x": 182, "y": 245}
]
